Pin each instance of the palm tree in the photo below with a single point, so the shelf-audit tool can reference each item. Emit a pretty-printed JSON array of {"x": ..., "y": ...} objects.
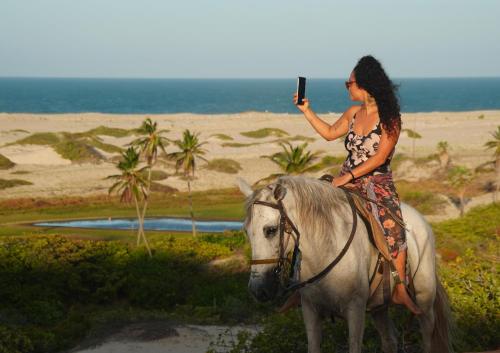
[
  {"x": 460, "y": 177},
  {"x": 495, "y": 145},
  {"x": 444, "y": 157},
  {"x": 186, "y": 159},
  {"x": 131, "y": 186},
  {"x": 148, "y": 146},
  {"x": 292, "y": 160},
  {"x": 414, "y": 136}
]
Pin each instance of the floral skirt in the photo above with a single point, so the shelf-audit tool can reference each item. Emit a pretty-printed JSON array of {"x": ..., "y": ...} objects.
[{"x": 381, "y": 187}]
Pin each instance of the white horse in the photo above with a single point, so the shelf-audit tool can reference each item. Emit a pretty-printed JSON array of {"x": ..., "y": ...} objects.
[{"x": 323, "y": 216}]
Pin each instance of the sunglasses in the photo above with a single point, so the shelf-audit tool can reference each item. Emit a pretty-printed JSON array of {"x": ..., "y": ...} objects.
[{"x": 348, "y": 84}]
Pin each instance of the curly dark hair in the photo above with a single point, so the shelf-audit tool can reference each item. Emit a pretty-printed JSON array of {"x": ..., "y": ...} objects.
[{"x": 371, "y": 77}]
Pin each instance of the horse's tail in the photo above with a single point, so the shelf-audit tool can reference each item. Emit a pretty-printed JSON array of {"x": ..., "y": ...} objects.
[{"x": 441, "y": 335}]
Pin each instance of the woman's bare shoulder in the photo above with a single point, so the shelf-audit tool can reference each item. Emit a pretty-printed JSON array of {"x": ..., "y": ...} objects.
[{"x": 351, "y": 111}]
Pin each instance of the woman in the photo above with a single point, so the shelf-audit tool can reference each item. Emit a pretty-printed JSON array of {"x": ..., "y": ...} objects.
[{"x": 372, "y": 130}]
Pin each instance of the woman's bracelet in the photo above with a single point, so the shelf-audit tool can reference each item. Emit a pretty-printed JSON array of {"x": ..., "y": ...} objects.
[{"x": 353, "y": 177}]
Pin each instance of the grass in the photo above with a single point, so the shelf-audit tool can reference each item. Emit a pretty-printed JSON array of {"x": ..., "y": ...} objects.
[
  {"x": 175, "y": 285},
  {"x": 77, "y": 147},
  {"x": 39, "y": 138},
  {"x": 20, "y": 172},
  {"x": 10, "y": 183},
  {"x": 223, "y": 137},
  {"x": 15, "y": 214},
  {"x": 238, "y": 144},
  {"x": 425, "y": 201},
  {"x": 157, "y": 175},
  {"x": 265, "y": 132},
  {"x": 296, "y": 138},
  {"x": 224, "y": 165},
  {"x": 106, "y": 131},
  {"x": 106, "y": 147},
  {"x": 5, "y": 163},
  {"x": 77, "y": 151}
]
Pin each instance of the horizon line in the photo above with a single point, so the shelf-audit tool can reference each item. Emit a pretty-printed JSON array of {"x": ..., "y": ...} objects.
[{"x": 229, "y": 78}]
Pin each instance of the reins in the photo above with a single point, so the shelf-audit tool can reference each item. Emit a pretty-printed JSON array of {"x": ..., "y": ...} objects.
[{"x": 287, "y": 226}]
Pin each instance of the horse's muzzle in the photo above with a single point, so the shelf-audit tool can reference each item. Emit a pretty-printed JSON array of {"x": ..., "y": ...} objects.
[{"x": 264, "y": 287}]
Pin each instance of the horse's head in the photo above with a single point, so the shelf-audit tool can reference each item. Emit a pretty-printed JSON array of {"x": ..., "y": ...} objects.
[{"x": 262, "y": 226}]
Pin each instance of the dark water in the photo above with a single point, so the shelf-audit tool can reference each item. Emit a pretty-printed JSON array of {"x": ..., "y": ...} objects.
[{"x": 215, "y": 96}]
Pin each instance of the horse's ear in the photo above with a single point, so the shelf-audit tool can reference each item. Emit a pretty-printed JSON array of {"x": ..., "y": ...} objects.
[
  {"x": 245, "y": 188},
  {"x": 279, "y": 192}
]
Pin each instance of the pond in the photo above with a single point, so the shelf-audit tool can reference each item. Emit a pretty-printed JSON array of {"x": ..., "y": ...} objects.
[{"x": 164, "y": 223}]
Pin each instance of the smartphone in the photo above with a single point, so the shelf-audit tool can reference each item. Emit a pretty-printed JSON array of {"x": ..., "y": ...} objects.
[{"x": 301, "y": 90}]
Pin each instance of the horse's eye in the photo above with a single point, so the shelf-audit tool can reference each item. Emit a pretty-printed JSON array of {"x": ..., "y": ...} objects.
[{"x": 270, "y": 231}]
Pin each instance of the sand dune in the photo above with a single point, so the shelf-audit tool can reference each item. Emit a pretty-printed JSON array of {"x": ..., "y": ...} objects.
[{"x": 53, "y": 175}]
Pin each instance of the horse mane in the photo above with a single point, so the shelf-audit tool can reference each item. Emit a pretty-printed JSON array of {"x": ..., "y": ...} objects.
[{"x": 314, "y": 200}]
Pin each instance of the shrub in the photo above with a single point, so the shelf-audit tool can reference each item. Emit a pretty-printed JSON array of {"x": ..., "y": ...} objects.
[
  {"x": 107, "y": 131},
  {"x": 40, "y": 138},
  {"x": 77, "y": 151},
  {"x": 5, "y": 163},
  {"x": 224, "y": 165},
  {"x": 10, "y": 183},
  {"x": 223, "y": 137},
  {"x": 265, "y": 132},
  {"x": 49, "y": 284}
]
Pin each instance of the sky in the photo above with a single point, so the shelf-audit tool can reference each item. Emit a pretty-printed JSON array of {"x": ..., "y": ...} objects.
[{"x": 247, "y": 39}]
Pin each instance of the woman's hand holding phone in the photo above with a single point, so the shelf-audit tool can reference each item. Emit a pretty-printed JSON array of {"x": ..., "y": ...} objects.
[{"x": 304, "y": 107}]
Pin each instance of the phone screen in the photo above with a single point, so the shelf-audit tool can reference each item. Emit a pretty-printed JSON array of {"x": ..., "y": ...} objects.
[{"x": 301, "y": 90}]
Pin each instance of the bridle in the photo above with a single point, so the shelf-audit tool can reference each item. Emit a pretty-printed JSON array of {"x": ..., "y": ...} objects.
[{"x": 287, "y": 226}]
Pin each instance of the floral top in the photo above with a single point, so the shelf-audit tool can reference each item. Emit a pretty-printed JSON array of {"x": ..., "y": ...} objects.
[{"x": 362, "y": 147}]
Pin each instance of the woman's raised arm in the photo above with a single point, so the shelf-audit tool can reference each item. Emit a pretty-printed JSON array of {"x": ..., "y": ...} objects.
[{"x": 327, "y": 131}]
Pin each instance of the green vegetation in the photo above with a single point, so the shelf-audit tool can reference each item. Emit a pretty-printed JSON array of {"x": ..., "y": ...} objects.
[
  {"x": 186, "y": 158},
  {"x": 460, "y": 177},
  {"x": 265, "y": 132},
  {"x": 132, "y": 186},
  {"x": 20, "y": 172},
  {"x": 495, "y": 146},
  {"x": 57, "y": 288},
  {"x": 223, "y": 137},
  {"x": 414, "y": 136},
  {"x": 106, "y": 147},
  {"x": 238, "y": 144},
  {"x": 54, "y": 289},
  {"x": 77, "y": 151},
  {"x": 157, "y": 175},
  {"x": 471, "y": 280},
  {"x": 224, "y": 165},
  {"x": 296, "y": 138},
  {"x": 78, "y": 147},
  {"x": 481, "y": 117},
  {"x": 10, "y": 183},
  {"x": 293, "y": 159},
  {"x": 424, "y": 201},
  {"x": 40, "y": 138},
  {"x": 5, "y": 163},
  {"x": 333, "y": 163},
  {"x": 106, "y": 131}
]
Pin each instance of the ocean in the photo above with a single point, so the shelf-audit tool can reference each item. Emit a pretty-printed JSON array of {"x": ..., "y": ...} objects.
[{"x": 222, "y": 96}]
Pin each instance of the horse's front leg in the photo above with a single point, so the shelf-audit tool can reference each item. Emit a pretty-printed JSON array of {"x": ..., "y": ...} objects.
[
  {"x": 355, "y": 316},
  {"x": 312, "y": 321}
]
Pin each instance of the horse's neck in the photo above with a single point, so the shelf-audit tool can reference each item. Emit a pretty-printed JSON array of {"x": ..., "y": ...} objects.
[{"x": 318, "y": 248}]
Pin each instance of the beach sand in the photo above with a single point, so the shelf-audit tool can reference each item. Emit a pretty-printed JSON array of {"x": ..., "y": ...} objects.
[{"x": 52, "y": 175}]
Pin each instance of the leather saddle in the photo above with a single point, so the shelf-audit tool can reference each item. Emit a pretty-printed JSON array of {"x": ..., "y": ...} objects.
[{"x": 384, "y": 276}]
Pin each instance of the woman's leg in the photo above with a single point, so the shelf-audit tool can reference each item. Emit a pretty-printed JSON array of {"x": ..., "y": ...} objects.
[
  {"x": 395, "y": 235},
  {"x": 400, "y": 295}
]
